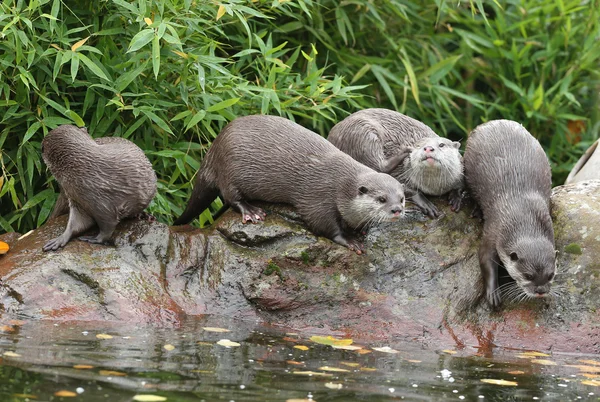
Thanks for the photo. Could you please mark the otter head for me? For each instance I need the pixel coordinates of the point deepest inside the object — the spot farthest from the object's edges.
(376, 197)
(531, 262)
(434, 166)
(62, 142)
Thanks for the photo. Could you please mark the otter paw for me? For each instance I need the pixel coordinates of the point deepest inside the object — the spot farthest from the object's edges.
(356, 246)
(54, 244)
(253, 214)
(93, 239)
(493, 298)
(477, 213)
(145, 216)
(455, 200)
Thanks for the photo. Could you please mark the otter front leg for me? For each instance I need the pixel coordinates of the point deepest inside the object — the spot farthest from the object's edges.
(352, 244)
(249, 212)
(79, 222)
(392, 163)
(489, 270)
(455, 198)
(422, 203)
(107, 227)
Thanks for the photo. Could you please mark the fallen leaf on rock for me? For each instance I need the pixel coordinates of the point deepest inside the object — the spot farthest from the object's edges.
(11, 354)
(533, 354)
(25, 235)
(350, 364)
(295, 363)
(543, 362)
(585, 369)
(215, 329)
(4, 247)
(332, 385)
(386, 349)
(516, 372)
(64, 393)
(594, 383)
(450, 352)
(83, 367)
(330, 340)
(291, 333)
(149, 398)
(334, 369)
(347, 347)
(499, 382)
(315, 373)
(591, 362)
(6, 328)
(104, 336)
(301, 347)
(17, 322)
(169, 347)
(227, 343)
(112, 373)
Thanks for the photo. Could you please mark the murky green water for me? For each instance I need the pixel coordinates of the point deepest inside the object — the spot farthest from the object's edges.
(43, 358)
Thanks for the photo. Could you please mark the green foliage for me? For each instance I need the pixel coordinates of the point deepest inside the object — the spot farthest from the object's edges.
(169, 75)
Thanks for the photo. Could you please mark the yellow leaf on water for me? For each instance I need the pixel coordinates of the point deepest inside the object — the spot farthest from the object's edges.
(386, 349)
(350, 364)
(169, 347)
(499, 382)
(332, 385)
(149, 398)
(585, 369)
(413, 361)
(215, 329)
(543, 362)
(204, 343)
(227, 343)
(588, 375)
(148, 21)
(368, 369)
(315, 373)
(533, 354)
(83, 367)
(364, 351)
(516, 372)
(591, 362)
(28, 396)
(104, 336)
(11, 354)
(334, 369)
(111, 373)
(220, 12)
(330, 340)
(301, 347)
(295, 363)
(79, 44)
(594, 383)
(450, 352)
(64, 393)
(347, 347)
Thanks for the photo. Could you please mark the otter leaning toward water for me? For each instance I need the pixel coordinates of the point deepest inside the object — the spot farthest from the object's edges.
(393, 143)
(273, 159)
(509, 176)
(103, 181)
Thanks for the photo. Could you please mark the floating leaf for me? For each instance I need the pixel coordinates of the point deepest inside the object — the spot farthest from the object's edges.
(215, 329)
(499, 382)
(104, 336)
(28, 396)
(227, 343)
(83, 367)
(592, 362)
(413, 361)
(169, 347)
(450, 352)
(350, 364)
(295, 363)
(301, 347)
(368, 369)
(347, 347)
(65, 394)
(587, 375)
(363, 351)
(585, 369)
(544, 362)
(112, 373)
(315, 373)
(533, 354)
(204, 343)
(11, 354)
(516, 372)
(386, 349)
(4, 247)
(594, 383)
(334, 369)
(330, 340)
(287, 338)
(332, 385)
(149, 398)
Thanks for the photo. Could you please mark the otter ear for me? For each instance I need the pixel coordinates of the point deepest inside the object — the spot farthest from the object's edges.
(514, 257)
(363, 190)
(456, 144)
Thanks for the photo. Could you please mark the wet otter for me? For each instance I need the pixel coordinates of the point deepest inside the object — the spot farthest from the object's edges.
(393, 143)
(273, 159)
(509, 176)
(103, 181)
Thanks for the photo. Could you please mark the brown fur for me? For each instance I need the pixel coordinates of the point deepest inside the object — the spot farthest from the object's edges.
(509, 176)
(102, 181)
(273, 159)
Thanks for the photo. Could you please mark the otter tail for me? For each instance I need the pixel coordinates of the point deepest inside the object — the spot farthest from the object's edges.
(203, 194)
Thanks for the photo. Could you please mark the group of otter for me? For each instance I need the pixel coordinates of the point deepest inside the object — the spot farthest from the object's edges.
(360, 176)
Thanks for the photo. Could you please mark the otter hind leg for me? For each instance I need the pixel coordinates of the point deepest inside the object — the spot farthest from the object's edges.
(455, 198)
(422, 203)
(250, 213)
(488, 258)
(79, 222)
(107, 227)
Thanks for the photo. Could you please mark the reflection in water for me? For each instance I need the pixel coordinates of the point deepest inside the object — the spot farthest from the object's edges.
(40, 359)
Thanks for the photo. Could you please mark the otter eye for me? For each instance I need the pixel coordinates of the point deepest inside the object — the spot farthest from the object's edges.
(529, 277)
(442, 145)
(382, 200)
(514, 257)
(363, 190)
(551, 276)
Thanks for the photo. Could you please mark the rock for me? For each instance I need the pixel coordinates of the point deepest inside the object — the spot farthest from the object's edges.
(587, 167)
(420, 279)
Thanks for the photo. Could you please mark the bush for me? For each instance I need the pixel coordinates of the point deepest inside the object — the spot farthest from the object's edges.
(170, 74)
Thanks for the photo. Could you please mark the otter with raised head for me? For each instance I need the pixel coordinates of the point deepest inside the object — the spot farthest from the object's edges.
(103, 181)
(390, 142)
(509, 176)
(273, 159)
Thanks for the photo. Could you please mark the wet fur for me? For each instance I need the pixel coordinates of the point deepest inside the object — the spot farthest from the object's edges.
(273, 159)
(101, 181)
(390, 142)
(509, 176)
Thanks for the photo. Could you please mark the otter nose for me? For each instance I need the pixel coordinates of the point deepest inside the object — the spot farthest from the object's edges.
(428, 149)
(396, 211)
(540, 292)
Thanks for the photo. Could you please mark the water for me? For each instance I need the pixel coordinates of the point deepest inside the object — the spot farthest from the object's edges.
(187, 364)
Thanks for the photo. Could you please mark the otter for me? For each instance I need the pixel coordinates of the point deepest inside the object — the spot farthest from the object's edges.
(101, 181)
(508, 174)
(390, 142)
(332, 192)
